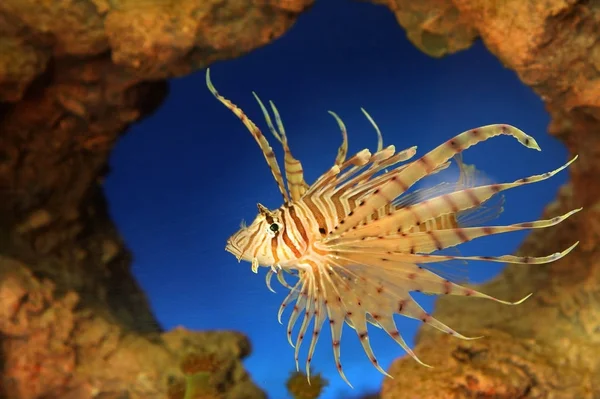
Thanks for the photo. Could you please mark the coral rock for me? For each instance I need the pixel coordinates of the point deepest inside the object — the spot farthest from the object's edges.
(74, 74)
(547, 346)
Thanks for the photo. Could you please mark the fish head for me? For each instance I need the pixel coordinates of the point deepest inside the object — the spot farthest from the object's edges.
(254, 243)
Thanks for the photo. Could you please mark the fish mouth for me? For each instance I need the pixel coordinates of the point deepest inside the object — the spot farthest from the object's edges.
(234, 250)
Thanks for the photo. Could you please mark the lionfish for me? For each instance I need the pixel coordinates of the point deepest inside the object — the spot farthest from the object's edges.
(360, 244)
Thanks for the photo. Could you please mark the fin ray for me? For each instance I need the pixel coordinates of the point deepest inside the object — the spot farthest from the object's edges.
(401, 181)
(256, 133)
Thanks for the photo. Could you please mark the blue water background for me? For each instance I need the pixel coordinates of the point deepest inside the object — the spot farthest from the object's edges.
(183, 179)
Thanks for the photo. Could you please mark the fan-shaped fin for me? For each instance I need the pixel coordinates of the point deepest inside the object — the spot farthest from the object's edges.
(404, 179)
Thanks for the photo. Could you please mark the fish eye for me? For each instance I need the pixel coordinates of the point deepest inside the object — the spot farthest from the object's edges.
(274, 227)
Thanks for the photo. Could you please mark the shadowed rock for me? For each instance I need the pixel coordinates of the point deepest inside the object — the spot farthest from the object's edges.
(74, 75)
(548, 346)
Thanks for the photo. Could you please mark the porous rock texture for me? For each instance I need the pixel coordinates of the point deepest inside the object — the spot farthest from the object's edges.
(548, 347)
(74, 74)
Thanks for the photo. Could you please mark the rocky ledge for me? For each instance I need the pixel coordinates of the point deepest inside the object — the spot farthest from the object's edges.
(75, 74)
(547, 346)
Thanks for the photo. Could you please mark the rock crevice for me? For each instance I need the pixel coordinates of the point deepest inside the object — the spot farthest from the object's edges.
(545, 347)
(75, 74)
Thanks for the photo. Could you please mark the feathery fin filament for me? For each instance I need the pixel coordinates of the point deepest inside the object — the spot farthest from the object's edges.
(360, 244)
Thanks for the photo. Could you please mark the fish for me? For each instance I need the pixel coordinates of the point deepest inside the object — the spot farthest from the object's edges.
(359, 242)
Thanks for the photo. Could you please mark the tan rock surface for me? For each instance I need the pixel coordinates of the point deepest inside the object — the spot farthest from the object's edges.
(74, 74)
(62, 350)
(547, 347)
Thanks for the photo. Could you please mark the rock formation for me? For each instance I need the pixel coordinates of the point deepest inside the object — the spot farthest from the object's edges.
(75, 74)
(548, 346)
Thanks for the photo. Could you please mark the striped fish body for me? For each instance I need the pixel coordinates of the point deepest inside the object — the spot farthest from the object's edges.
(359, 242)
(282, 237)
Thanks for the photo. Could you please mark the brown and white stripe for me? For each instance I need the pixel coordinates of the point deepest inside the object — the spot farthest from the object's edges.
(360, 244)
